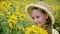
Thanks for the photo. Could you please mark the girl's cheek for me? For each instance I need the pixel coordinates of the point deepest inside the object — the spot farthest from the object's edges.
(40, 18)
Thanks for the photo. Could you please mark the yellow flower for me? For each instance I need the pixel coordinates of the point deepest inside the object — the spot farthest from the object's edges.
(4, 4)
(2, 9)
(13, 17)
(22, 17)
(16, 12)
(35, 30)
(10, 5)
(12, 21)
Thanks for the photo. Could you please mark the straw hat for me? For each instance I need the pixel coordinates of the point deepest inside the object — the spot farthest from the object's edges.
(40, 5)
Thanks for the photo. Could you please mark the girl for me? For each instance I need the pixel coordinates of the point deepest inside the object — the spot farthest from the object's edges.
(41, 14)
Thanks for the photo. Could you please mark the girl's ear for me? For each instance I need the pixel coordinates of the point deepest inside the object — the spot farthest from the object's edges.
(46, 16)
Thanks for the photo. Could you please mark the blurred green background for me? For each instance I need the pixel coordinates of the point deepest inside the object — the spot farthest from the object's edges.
(13, 17)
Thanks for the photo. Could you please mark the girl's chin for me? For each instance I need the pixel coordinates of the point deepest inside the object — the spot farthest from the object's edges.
(41, 24)
(38, 24)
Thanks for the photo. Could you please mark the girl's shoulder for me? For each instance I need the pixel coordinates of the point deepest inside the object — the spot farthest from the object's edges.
(54, 31)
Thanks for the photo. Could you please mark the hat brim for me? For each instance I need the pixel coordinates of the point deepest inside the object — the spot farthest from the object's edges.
(28, 11)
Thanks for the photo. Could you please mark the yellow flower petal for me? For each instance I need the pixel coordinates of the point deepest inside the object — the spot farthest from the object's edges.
(22, 17)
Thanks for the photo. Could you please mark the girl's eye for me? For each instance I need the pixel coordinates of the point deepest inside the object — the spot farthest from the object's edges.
(37, 16)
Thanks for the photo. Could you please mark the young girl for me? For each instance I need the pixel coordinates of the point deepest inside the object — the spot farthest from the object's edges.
(42, 16)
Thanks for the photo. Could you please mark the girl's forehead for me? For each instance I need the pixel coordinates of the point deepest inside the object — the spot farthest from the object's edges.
(36, 12)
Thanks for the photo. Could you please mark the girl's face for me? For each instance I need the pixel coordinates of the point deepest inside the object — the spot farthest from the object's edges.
(38, 17)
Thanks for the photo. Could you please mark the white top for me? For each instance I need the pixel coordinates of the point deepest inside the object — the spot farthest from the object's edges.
(54, 31)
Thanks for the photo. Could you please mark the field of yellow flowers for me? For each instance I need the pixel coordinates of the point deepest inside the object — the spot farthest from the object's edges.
(13, 19)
